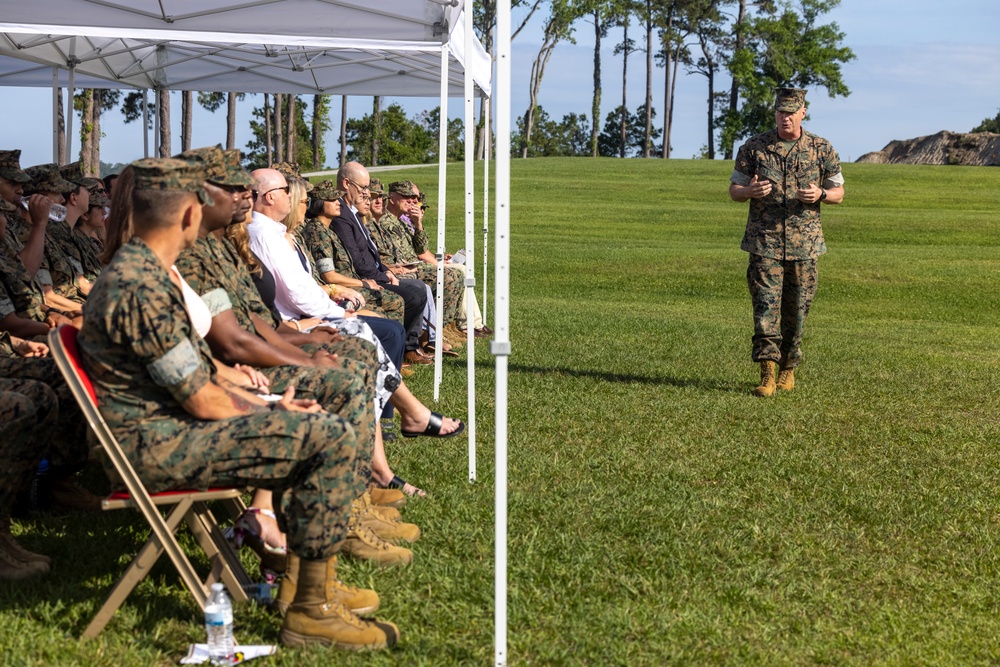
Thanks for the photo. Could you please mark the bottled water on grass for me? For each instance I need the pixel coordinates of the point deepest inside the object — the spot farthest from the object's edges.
(219, 626)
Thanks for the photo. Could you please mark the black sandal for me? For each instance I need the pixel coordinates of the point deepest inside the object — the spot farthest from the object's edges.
(433, 429)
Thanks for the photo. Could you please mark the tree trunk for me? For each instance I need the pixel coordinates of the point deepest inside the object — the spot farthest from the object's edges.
(343, 130)
(673, 84)
(187, 116)
(667, 99)
(231, 122)
(710, 75)
(595, 107)
(61, 129)
(279, 135)
(290, 129)
(163, 100)
(734, 89)
(319, 108)
(647, 142)
(377, 129)
(95, 135)
(268, 130)
(624, 119)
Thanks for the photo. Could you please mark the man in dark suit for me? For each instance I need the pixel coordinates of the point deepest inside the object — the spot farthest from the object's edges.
(353, 179)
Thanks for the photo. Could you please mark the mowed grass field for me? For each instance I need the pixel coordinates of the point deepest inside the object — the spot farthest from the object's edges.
(660, 514)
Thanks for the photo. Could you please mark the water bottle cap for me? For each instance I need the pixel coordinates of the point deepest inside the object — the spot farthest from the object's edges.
(218, 587)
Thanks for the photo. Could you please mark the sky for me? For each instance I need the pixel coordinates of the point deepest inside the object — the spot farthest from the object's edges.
(921, 66)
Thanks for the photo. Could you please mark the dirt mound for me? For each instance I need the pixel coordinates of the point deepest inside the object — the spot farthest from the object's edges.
(980, 149)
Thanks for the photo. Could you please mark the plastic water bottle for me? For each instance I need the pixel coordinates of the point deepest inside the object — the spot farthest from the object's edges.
(219, 626)
(57, 212)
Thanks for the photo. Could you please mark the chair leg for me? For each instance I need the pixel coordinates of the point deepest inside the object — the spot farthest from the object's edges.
(206, 531)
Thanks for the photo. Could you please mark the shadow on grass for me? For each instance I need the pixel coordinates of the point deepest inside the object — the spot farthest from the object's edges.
(628, 378)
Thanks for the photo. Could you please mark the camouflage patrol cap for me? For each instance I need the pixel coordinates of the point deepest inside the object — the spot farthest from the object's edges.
(234, 163)
(327, 191)
(10, 166)
(375, 187)
(404, 188)
(288, 169)
(94, 185)
(217, 170)
(171, 174)
(72, 172)
(46, 178)
(99, 200)
(789, 100)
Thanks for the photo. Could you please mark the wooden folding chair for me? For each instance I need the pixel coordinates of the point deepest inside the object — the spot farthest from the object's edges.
(189, 506)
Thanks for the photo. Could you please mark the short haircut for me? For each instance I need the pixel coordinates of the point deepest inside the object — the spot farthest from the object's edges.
(152, 209)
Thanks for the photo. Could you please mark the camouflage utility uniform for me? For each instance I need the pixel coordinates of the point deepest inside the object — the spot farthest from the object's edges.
(329, 255)
(146, 360)
(784, 237)
(398, 245)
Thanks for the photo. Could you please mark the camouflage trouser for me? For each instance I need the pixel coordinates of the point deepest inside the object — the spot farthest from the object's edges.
(333, 388)
(65, 443)
(306, 459)
(477, 314)
(454, 287)
(781, 291)
(383, 302)
(27, 408)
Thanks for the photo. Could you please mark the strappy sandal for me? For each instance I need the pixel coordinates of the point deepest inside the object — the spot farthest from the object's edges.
(273, 560)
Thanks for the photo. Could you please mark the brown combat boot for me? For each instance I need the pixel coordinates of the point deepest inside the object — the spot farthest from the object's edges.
(364, 544)
(361, 601)
(387, 497)
(384, 511)
(40, 562)
(66, 493)
(15, 568)
(786, 379)
(318, 616)
(767, 384)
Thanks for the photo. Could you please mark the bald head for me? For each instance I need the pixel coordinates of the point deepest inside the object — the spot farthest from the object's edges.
(353, 179)
(272, 194)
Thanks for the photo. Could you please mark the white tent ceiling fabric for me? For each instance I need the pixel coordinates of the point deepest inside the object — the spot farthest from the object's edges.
(328, 47)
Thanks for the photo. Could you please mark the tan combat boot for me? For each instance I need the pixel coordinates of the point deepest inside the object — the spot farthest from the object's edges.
(14, 568)
(40, 562)
(387, 497)
(384, 511)
(766, 386)
(390, 530)
(364, 544)
(786, 379)
(361, 601)
(318, 616)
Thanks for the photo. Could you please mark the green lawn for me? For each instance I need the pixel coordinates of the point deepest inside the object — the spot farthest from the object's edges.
(660, 514)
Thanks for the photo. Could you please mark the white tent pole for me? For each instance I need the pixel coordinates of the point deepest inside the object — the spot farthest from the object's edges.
(56, 136)
(145, 122)
(500, 346)
(69, 105)
(442, 188)
(487, 156)
(470, 243)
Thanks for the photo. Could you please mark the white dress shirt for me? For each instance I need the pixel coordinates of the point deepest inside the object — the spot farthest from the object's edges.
(296, 293)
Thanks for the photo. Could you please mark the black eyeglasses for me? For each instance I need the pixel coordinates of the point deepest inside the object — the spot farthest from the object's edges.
(363, 188)
(287, 190)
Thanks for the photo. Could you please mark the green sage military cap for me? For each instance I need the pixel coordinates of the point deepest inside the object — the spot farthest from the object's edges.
(327, 190)
(46, 178)
(789, 100)
(10, 166)
(404, 188)
(216, 165)
(171, 174)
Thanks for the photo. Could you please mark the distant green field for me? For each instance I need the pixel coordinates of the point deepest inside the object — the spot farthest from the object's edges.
(660, 514)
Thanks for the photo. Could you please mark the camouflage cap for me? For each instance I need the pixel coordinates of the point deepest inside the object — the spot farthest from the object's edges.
(404, 188)
(171, 174)
(789, 100)
(93, 185)
(375, 187)
(46, 178)
(234, 163)
(72, 172)
(288, 169)
(99, 200)
(217, 170)
(10, 166)
(327, 190)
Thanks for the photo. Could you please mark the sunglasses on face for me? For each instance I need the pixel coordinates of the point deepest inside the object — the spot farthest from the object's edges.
(286, 188)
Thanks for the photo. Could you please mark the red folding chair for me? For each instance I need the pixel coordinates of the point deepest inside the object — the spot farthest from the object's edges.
(189, 506)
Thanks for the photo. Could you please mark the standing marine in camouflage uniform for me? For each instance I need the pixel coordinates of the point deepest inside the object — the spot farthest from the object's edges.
(181, 427)
(785, 173)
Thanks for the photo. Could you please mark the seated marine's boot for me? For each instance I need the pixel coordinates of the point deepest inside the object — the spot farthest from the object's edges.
(767, 382)
(387, 497)
(363, 543)
(786, 379)
(317, 615)
(361, 601)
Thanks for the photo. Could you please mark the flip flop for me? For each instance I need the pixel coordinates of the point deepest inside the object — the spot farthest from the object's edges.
(434, 429)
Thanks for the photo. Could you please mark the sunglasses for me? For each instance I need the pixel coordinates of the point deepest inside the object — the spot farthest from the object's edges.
(287, 190)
